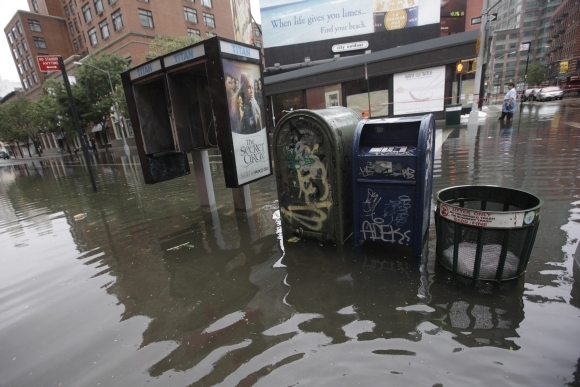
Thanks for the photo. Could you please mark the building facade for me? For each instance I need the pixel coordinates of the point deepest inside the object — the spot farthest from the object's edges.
(518, 21)
(92, 27)
(563, 57)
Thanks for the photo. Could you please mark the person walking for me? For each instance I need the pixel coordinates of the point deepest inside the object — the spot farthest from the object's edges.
(508, 107)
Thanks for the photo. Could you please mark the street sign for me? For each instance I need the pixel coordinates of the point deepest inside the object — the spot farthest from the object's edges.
(477, 20)
(525, 46)
(48, 63)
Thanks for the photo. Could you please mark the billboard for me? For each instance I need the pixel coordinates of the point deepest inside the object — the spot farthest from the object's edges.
(287, 22)
(419, 91)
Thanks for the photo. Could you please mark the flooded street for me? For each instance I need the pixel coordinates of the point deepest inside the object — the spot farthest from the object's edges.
(137, 285)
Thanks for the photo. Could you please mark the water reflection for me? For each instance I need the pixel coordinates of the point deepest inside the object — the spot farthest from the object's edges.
(151, 288)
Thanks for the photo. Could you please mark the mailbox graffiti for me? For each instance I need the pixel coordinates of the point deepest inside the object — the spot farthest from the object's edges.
(387, 169)
(385, 226)
(309, 178)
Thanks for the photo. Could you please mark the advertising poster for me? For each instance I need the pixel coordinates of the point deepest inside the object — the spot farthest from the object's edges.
(286, 22)
(242, 20)
(419, 91)
(247, 120)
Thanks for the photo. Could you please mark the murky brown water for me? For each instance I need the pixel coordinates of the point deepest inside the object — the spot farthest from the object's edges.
(151, 289)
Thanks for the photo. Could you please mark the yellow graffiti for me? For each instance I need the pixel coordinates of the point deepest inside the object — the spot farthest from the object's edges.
(312, 216)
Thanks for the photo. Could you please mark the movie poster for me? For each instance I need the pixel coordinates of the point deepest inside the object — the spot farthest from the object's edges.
(247, 120)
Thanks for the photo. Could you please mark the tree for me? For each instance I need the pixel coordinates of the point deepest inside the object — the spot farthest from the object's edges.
(536, 73)
(19, 122)
(94, 81)
(162, 45)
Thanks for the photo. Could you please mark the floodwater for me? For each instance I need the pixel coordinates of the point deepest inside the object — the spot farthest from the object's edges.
(138, 285)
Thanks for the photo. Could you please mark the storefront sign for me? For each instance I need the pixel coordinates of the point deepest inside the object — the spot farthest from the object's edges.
(350, 46)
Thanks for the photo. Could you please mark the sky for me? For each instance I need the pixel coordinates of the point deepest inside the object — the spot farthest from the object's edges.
(9, 7)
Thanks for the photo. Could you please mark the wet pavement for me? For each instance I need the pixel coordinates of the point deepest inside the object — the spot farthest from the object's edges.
(138, 285)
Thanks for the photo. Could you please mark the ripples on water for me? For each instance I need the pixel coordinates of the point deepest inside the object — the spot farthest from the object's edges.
(151, 289)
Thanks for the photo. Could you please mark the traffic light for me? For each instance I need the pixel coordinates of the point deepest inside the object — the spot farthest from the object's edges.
(466, 66)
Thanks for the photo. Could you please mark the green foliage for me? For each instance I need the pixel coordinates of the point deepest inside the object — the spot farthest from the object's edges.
(19, 122)
(162, 45)
(536, 73)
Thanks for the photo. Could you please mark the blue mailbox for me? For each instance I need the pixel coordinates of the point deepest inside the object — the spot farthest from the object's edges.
(392, 180)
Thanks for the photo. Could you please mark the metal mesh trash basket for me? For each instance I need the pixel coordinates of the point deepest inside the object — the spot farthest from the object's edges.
(486, 232)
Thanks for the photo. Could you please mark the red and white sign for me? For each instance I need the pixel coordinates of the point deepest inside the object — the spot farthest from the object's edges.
(485, 218)
(48, 63)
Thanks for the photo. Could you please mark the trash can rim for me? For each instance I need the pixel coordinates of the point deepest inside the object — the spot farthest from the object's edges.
(535, 208)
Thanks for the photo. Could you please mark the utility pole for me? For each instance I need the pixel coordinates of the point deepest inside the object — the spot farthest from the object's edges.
(474, 115)
(77, 121)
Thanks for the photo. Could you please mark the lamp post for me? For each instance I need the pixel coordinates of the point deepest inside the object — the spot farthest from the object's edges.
(115, 106)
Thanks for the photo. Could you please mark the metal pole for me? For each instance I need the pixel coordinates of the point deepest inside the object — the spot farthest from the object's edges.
(76, 121)
(474, 115)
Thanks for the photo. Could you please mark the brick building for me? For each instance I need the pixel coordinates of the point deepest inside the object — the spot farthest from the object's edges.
(563, 57)
(92, 27)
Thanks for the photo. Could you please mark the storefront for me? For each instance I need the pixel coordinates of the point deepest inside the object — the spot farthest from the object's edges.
(407, 80)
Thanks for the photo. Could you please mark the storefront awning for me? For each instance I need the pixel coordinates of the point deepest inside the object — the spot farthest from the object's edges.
(97, 128)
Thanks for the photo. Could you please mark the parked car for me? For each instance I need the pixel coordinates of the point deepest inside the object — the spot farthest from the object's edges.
(4, 155)
(549, 93)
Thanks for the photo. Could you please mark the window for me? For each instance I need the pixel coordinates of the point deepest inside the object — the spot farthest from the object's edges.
(29, 60)
(117, 20)
(14, 32)
(192, 32)
(209, 20)
(15, 53)
(99, 6)
(25, 65)
(35, 77)
(206, 3)
(81, 41)
(510, 73)
(25, 83)
(510, 64)
(258, 44)
(257, 32)
(500, 37)
(10, 38)
(76, 25)
(76, 44)
(111, 2)
(39, 42)
(104, 26)
(20, 70)
(498, 66)
(93, 37)
(514, 36)
(190, 14)
(190, 1)
(72, 7)
(146, 18)
(25, 45)
(29, 78)
(19, 46)
(34, 25)
(71, 28)
(500, 47)
(19, 27)
(87, 13)
(34, 5)
(66, 11)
